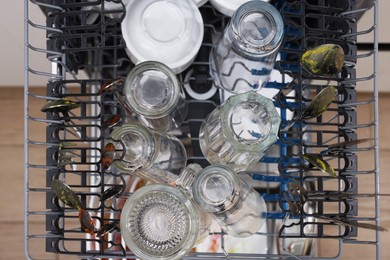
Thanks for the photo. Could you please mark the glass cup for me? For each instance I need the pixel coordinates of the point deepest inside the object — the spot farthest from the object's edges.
(235, 205)
(160, 222)
(147, 153)
(238, 132)
(243, 58)
(154, 93)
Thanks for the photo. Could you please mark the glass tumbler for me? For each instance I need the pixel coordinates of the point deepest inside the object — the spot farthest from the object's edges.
(238, 132)
(160, 222)
(236, 206)
(243, 58)
(154, 93)
(147, 153)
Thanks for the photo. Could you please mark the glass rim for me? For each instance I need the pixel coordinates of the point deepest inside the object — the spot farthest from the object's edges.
(213, 171)
(145, 111)
(117, 134)
(264, 8)
(193, 221)
(229, 134)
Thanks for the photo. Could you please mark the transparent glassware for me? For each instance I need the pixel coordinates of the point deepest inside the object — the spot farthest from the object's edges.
(238, 132)
(243, 58)
(236, 206)
(154, 93)
(148, 153)
(160, 222)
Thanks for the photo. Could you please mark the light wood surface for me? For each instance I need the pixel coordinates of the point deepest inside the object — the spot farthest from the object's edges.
(12, 182)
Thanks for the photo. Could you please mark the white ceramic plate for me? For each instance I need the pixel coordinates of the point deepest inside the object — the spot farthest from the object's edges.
(167, 31)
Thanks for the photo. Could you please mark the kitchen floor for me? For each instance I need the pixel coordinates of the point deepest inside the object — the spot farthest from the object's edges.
(12, 184)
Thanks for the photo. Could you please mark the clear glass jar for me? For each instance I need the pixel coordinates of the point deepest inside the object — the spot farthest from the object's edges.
(238, 132)
(154, 93)
(236, 206)
(243, 58)
(160, 222)
(147, 153)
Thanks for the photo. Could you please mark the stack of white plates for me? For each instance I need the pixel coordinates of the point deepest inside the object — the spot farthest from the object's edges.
(168, 31)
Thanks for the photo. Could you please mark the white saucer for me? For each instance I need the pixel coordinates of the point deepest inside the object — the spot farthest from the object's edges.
(167, 31)
(228, 7)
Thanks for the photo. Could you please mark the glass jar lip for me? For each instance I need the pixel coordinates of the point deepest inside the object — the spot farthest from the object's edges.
(271, 13)
(143, 110)
(212, 171)
(140, 130)
(230, 135)
(193, 221)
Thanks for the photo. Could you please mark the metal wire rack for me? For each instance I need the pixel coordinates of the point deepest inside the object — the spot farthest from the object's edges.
(75, 45)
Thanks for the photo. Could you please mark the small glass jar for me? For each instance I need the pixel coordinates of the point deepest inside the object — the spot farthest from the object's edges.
(147, 153)
(160, 222)
(243, 58)
(154, 93)
(238, 132)
(236, 206)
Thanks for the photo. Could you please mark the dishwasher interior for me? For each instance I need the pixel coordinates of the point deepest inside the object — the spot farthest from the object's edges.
(86, 52)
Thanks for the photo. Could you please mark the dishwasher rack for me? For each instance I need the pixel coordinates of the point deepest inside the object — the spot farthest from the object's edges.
(77, 46)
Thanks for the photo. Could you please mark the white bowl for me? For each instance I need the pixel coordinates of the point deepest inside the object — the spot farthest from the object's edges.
(167, 31)
(228, 7)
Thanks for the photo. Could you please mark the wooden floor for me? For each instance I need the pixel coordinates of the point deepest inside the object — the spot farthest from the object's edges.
(12, 183)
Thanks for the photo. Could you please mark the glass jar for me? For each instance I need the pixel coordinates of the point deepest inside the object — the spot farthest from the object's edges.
(147, 153)
(236, 206)
(160, 222)
(238, 132)
(243, 58)
(154, 93)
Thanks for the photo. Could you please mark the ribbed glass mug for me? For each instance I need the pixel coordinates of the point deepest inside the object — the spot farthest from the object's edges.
(147, 153)
(160, 222)
(153, 91)
(243, 58)
(238, 132)
(236, 206)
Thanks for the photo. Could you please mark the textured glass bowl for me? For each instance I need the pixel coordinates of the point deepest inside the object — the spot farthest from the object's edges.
(159, 222)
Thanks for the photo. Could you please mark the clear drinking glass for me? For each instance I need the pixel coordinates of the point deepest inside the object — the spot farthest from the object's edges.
(147, 153)
(243, 58)
(160, 222)
(236, 206)
(154, 93)
(238, 132)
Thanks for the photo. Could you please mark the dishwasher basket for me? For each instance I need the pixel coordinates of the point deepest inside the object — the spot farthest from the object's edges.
(83, 55)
